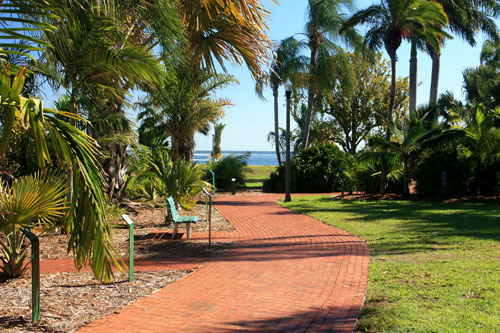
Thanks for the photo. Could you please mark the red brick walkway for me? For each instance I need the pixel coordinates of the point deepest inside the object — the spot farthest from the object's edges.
(287, 272)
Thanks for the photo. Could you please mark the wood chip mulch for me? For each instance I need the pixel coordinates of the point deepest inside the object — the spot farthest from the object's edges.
(70, 301)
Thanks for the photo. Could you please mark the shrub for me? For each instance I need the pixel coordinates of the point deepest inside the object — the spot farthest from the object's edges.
(319, 168)
(227, 168)
(32, 201)
(182, 180)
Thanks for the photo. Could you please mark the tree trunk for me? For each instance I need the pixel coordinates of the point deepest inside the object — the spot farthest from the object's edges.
(405, 176)
(186, 148)
(436, 65)
(383, 171)
(276, 125)
(310, 101)
(413, 77)
(116, 169)
(115, 166)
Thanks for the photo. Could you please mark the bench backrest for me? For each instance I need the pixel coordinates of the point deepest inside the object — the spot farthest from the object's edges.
(171, 204)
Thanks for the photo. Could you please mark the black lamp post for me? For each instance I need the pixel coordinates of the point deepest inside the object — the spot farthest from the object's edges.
(288, 91)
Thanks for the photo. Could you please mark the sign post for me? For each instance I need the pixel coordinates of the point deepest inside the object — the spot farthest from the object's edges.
(131, 247)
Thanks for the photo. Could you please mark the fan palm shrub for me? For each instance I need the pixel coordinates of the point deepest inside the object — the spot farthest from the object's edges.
(37, 200)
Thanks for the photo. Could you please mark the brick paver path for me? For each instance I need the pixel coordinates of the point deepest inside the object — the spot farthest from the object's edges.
(287, 272)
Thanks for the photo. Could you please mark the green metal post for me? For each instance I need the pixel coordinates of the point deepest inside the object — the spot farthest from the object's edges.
(35, 274)
(209, 196)
(209, 220)
(131, 247)
(213, 180)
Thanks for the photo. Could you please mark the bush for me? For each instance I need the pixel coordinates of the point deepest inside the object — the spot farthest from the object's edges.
(461, 177)
(319, 168)
(227, 168)
(458, 173)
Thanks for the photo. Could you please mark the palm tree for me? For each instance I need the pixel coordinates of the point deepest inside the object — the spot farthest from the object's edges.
(231, 30)
(410, 140)
(325, 19)
(69, 148)
(183, 106)
(33, 14)
(35, 200)
(99, 51)
(482, 138)
(490, 53)
(390, 23)
(287, 62)
(216, 151)
(466, 18)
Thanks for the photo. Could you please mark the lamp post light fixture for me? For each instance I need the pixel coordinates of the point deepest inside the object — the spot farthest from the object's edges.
(288, 92)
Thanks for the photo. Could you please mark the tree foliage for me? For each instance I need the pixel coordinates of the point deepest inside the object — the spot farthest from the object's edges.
(353, 110)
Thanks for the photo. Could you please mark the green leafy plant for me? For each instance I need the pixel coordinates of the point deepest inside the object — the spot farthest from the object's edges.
(71, 149)
(319, 168)
(182, 180)
(228, 168)
(33, 201)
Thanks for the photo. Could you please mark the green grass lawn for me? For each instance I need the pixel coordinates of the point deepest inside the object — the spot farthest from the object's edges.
(256, 174)
(434, 267)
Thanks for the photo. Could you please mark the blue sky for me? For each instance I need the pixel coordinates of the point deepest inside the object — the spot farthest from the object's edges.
(250, 119)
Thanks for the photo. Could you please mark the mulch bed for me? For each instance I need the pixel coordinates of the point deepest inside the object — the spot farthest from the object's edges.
(70, 301)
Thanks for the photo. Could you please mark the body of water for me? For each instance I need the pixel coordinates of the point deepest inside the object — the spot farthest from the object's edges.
(256, 157)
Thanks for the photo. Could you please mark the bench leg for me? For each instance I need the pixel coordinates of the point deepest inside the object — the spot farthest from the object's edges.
(176, 226)
(188, 230)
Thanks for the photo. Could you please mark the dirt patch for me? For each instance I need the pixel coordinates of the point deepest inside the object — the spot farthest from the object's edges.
(146, 219)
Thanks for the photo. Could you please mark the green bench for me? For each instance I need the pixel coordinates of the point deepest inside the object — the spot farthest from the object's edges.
(180, 219)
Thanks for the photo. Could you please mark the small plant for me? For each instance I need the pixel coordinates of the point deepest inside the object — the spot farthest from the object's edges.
(182, 180)
(33, 201)
(228, 168)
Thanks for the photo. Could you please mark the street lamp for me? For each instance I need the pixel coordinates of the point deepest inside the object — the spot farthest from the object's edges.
(288, 92)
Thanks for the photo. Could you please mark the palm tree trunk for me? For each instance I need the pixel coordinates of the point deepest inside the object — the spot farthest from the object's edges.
(186, 148)
(436, 65)
(175, 149)
(383, 171)
(310, 101)
(116, 168)
(276, 125)
(413, 77)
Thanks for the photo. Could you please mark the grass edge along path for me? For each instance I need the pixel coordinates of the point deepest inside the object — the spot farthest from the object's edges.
(434, 266)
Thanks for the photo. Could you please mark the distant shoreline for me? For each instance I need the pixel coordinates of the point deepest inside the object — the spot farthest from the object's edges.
(257, 157)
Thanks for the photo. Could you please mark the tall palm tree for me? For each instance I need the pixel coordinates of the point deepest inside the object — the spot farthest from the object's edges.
(466, 18)
(391, 22)
(286, 63)
(324, 21)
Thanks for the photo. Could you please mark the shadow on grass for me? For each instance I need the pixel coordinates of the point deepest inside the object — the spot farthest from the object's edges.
(412, 226)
